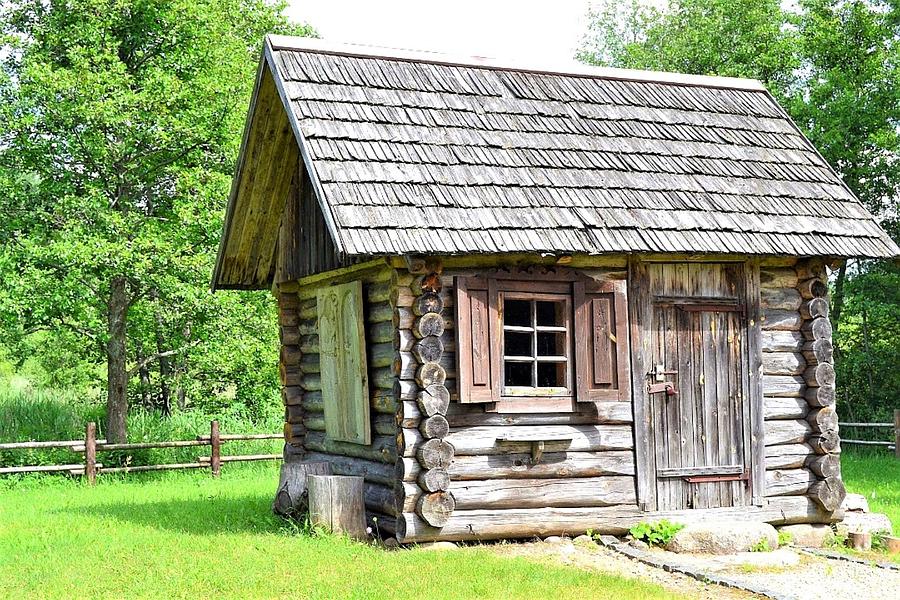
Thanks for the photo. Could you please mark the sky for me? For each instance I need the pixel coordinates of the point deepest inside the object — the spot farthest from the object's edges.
(527, 30)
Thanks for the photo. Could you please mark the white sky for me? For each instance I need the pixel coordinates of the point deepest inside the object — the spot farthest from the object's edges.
(540, 31)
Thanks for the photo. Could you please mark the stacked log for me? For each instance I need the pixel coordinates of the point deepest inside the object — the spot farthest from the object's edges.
(422, 470)
(291, 374)
(802, 439)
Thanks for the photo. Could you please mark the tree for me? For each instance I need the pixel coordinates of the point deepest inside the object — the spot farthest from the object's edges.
(121, 122)
(733, 38)
(848, 102)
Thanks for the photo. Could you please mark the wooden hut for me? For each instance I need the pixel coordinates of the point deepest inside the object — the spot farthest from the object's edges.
(522, 302)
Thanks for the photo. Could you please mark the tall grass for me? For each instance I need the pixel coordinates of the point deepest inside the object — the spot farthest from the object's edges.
(30, 414)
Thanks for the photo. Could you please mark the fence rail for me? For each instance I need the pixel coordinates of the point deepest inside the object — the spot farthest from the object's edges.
(90, 445)
(895, 445)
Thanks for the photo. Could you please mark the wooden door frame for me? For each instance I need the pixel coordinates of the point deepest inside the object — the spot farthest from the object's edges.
(640, 310)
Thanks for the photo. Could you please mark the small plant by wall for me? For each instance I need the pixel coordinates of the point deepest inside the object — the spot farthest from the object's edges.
(658, 533)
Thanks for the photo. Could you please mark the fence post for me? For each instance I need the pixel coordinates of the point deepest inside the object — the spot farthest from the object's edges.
(215, 454)
(897, 433)
(90, 453)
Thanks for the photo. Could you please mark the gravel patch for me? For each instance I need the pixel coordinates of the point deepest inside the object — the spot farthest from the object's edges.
(784, 574)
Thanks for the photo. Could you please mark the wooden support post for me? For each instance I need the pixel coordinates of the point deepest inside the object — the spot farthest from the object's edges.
(337, 502)
(90, 453)
(215, 453)
(897, 433)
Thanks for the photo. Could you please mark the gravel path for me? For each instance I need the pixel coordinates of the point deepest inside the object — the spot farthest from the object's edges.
(786, 573)
(804, 577)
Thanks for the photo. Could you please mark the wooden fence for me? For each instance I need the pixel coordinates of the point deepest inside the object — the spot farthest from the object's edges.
(90, 446)
(895, 445)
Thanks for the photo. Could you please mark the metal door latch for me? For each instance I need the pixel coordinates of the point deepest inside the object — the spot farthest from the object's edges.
(667, 386)
(659, 373)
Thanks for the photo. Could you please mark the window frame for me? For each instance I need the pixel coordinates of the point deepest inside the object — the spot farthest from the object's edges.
(535, 399)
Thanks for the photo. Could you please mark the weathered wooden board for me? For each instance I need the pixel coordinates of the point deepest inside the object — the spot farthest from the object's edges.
(551, 465)
(536, 493)
(342, 363)
(486, 440)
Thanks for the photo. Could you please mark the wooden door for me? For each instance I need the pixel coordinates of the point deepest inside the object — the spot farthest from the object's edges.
(699, 428)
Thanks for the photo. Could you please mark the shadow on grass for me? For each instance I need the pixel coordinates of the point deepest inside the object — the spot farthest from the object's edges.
(211, 515)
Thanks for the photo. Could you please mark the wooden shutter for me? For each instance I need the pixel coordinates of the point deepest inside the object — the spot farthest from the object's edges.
(477, 339)
(601, 341)
(342, 363)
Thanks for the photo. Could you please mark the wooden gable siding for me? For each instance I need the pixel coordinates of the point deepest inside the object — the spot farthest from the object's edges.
(269, 158)
(305, 245)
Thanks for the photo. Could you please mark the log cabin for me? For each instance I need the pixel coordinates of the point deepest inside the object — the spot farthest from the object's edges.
(521, 301)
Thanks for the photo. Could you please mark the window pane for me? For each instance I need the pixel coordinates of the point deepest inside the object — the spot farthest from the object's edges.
(517, 312)
(517, 374)
(551, 374)
(551, 313)
(517, 344)
(551, 344)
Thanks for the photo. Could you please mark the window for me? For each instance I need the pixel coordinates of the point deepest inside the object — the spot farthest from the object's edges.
(539, 346)
(535, 341)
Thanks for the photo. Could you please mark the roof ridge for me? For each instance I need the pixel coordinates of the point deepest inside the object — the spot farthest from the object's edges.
(318, 46)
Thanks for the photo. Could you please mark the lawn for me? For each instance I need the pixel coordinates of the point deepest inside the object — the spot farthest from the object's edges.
(187, 535)
(876, 475)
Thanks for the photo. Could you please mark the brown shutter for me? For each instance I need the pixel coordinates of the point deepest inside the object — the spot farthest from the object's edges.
(601, 341)
(477, 337)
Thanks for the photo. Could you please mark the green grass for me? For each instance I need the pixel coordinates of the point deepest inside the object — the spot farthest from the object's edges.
(187, 535)
(876, 475)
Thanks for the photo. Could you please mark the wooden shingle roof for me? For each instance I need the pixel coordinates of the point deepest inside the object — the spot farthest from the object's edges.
(413, 153)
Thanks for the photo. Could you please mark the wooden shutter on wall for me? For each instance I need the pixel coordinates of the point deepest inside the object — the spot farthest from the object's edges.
(601, 341)
(477, 339)
(342, 363)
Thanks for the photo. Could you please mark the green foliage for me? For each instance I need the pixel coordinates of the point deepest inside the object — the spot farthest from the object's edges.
(121, 122)
(736, 38)
(879, 544)
(868, 345)
(658, 533)
(785, 538)
(761, 546)
(185, 534)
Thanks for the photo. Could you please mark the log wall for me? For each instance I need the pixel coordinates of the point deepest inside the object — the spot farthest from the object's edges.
(435, 469)
(801, 435)
(499, 480)
(383, 292)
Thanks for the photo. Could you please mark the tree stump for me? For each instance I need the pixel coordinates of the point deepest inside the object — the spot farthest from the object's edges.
(336, 502)
(291, 498)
